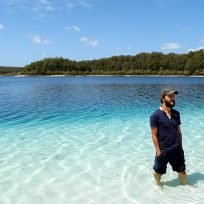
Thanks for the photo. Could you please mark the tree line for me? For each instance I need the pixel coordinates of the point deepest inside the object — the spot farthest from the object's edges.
(5, 70)
(191, 63)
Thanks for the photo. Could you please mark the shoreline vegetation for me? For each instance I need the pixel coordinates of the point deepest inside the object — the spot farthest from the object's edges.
(7, 71)
(142, 64)
(59, 76)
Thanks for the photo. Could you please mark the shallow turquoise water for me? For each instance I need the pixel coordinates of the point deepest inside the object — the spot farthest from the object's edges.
(87, 140)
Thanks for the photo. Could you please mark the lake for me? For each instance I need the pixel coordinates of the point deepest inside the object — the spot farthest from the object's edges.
(74, 140)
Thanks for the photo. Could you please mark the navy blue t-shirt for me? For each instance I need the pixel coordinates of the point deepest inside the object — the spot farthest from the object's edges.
(168, 135)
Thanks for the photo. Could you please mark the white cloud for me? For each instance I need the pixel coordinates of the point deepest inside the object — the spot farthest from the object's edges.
(78, 3)
(46, 5)
(35, 8)
(1, 27)
(196, 49)
(88, 41)
(41, 6)
(84, 3)
(9, 2)
(49, 8)
(38, 40)
(73, 28)
(70, 5)
(170, 46)
(45, 2)
(76, 28)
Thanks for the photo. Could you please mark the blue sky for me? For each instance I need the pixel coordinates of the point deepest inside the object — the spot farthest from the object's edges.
(90, 29)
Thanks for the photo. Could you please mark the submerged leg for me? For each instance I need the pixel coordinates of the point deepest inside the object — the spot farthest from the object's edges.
(157, 178)
(182, 177)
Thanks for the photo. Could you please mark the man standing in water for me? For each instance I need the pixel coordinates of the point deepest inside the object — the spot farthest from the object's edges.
(167, 138)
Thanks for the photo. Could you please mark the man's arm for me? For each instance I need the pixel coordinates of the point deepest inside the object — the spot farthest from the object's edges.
(155, 140)
(180, 135)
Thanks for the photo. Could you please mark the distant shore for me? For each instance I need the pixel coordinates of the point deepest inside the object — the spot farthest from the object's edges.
(102, 75)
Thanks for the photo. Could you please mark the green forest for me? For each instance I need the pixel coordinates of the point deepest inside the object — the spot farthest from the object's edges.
(9, 70)
(154, 63)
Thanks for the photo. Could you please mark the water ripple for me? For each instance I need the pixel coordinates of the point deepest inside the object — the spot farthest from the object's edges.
(87, 140)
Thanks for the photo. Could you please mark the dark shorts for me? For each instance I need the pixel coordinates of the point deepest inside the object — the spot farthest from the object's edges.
(176, 160)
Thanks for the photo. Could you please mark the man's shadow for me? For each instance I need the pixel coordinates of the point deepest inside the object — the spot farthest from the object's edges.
(192, 180)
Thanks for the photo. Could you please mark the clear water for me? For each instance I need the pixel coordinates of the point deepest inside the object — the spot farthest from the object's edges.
(73, 140)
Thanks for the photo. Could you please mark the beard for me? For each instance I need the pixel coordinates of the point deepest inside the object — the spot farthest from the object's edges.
(169, 104)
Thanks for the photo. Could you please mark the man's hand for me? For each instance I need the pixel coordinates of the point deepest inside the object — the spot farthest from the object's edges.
(158, 153)
(155, 140)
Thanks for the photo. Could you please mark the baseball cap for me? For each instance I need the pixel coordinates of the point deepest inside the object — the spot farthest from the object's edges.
(167, 91)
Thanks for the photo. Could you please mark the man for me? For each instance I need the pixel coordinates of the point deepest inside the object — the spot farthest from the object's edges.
(167, 138)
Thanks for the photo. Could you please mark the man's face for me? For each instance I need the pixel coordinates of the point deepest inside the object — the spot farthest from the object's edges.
(169, 100)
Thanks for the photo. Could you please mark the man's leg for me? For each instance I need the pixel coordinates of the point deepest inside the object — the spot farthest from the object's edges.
(157, 178)
(160, 165)
(182, 177)
(178, 164)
